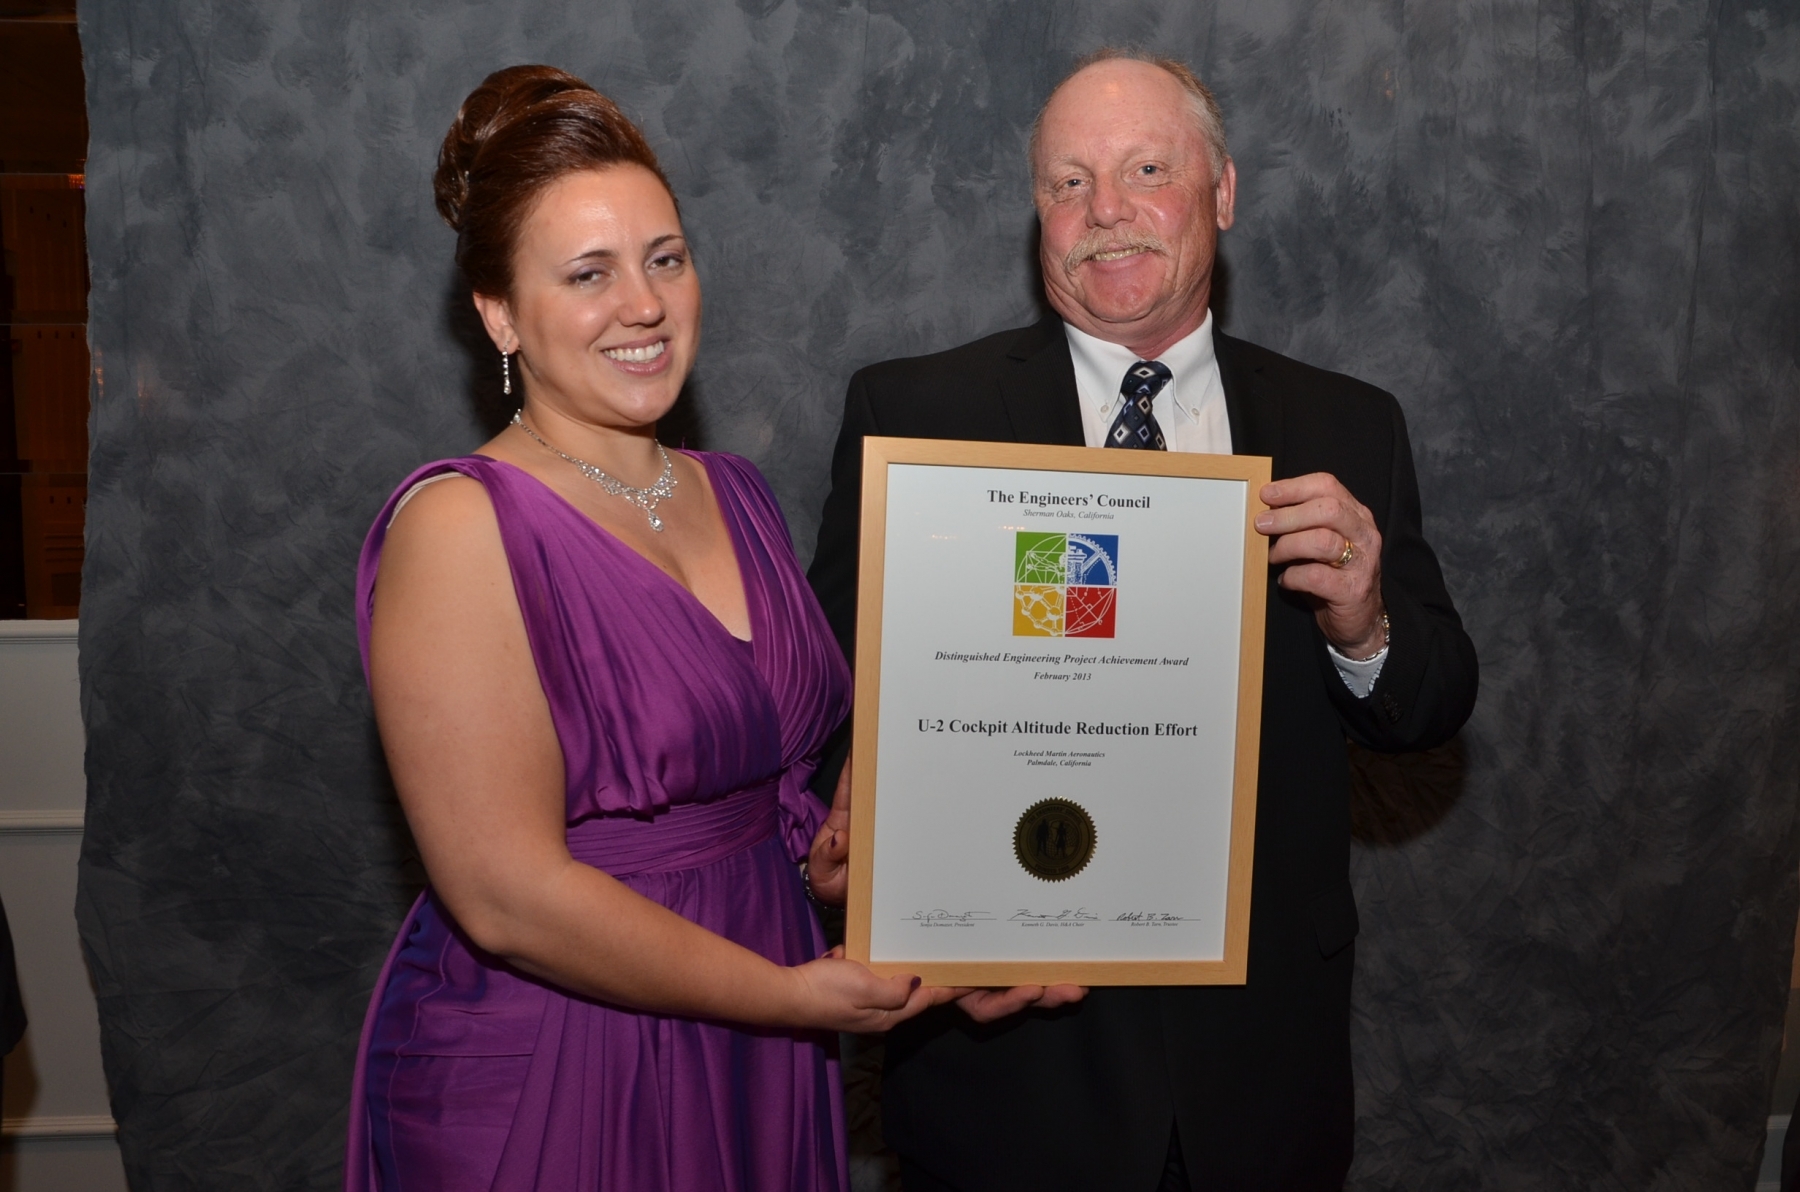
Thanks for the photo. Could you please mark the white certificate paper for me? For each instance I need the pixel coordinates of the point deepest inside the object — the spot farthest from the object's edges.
(1050, 637)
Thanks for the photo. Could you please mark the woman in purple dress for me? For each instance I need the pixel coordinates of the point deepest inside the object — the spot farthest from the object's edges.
(601, 683)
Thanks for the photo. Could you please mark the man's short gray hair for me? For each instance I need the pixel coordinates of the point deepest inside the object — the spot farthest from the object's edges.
(1207, 117)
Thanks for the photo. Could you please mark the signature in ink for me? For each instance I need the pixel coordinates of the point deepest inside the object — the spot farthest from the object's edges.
(943, 916)
(1079, 914)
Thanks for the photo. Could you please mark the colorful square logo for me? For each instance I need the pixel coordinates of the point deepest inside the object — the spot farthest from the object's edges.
(1065, 585)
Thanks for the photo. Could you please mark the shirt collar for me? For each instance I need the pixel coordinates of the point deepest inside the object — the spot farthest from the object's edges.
(1187, 360)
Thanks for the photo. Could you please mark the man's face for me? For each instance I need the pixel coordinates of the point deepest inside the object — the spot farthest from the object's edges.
(1129, 210)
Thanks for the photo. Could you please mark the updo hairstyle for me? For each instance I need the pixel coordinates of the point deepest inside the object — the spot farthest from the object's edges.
(522, 129)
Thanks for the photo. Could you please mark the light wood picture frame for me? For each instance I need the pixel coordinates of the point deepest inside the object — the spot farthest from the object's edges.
(1229, 966)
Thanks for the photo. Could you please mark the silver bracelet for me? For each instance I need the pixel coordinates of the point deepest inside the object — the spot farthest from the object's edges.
(1386, 636)
(806, 884)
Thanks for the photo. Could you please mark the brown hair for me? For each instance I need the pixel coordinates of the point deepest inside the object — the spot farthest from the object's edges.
(522, 129)
(1207, 117)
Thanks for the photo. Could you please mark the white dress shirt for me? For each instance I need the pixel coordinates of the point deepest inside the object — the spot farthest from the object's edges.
(1191, 412)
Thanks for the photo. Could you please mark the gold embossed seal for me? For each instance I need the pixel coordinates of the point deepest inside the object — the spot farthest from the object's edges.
(1054, 839)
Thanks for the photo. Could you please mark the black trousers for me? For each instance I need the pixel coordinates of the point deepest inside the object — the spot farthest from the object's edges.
(914, 1178)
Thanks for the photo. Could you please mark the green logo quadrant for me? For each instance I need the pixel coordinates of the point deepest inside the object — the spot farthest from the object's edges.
(1040, 558)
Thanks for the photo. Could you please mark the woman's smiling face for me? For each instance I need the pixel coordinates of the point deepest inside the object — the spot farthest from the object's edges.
(605, 308)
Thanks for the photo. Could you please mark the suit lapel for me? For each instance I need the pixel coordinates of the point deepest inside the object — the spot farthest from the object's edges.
(1254, 412)
(1037, 387)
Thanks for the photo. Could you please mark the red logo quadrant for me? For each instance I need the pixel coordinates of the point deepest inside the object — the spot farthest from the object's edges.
(1089, 612)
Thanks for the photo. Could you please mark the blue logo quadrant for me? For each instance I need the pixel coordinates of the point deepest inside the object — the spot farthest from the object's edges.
(1093, 560)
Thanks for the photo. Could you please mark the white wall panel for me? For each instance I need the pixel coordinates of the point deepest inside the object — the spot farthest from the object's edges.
(40, 718)
(55, 1125)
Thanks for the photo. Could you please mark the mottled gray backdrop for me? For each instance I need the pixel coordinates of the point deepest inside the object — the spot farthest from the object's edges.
(1565, 233)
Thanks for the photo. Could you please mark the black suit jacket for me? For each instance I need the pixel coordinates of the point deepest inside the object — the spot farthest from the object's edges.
(1257, 1077)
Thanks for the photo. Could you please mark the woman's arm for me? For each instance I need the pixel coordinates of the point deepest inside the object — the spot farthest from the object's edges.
(479, 771)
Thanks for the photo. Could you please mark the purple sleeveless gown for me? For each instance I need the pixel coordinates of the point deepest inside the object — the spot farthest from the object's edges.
(687, 752)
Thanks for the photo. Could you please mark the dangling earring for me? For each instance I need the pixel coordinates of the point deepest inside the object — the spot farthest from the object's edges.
(506, 374)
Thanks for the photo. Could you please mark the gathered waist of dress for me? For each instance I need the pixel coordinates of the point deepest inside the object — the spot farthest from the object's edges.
(686, 836)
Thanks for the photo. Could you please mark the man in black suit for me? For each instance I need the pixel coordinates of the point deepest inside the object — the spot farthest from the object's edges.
(1229, 1087)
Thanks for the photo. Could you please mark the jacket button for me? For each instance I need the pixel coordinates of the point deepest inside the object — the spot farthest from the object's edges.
(1391, 706)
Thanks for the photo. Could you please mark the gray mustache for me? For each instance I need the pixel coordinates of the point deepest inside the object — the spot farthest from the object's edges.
(1099, 240)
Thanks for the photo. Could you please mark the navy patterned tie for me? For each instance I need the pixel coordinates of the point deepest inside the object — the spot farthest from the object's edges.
(1135, 427)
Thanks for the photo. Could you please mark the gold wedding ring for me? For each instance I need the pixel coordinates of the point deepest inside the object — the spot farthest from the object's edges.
(1343, 560)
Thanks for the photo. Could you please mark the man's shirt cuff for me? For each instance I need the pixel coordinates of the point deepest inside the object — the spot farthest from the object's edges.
(1359, 677)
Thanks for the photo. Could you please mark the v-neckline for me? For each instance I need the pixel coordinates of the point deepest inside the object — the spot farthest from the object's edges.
(731, 533)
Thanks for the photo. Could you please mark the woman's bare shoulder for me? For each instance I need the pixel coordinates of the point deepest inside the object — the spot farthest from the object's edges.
(443, 504)
(444, 527)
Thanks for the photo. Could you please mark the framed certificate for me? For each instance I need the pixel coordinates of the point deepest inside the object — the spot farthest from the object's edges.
(1058, 709)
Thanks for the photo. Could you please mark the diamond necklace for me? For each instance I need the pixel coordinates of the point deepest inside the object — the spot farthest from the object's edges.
(644, 498)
